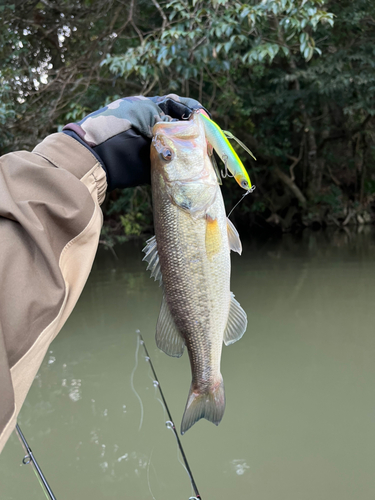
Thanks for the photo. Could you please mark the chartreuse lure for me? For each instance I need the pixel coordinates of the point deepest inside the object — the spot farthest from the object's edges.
(219, 141)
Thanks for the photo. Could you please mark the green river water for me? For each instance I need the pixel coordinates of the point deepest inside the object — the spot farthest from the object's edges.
(300, 385)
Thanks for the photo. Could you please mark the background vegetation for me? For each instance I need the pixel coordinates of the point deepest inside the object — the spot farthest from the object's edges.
(293, 79)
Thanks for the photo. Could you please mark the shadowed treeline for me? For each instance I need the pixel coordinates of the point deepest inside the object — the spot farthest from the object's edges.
(292, 79)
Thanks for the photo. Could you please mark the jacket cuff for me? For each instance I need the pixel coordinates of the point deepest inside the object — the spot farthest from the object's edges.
(69, 154)
(76, 137)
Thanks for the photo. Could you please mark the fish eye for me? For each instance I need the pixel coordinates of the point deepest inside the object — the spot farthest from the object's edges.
(167, 154)
(244, 184)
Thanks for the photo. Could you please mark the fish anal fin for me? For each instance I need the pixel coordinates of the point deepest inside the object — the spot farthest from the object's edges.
(237, 322)
(213, 237)
(234, 238)
(152, 257)
(209, 404)
(168, 338)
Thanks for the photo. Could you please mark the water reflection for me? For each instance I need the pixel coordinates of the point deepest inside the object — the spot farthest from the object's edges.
(240, 466)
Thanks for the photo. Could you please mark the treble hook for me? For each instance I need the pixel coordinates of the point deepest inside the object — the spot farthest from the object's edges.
(226, 173)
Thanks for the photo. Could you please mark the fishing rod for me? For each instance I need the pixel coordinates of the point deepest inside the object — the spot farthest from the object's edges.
(170, 423)
(29, 457)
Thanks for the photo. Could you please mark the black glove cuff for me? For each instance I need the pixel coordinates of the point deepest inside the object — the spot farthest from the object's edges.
(124, 157)
(177, 107)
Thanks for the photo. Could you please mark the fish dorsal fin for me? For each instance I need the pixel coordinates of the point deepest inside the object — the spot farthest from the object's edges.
(237, 322)
(152, 257)
(168, 338)
(233, 238)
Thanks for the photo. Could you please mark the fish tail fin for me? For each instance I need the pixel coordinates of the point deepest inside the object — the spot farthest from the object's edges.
(209, 404)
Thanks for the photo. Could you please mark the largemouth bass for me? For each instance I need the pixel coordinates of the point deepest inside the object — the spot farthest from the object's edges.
(190, 255)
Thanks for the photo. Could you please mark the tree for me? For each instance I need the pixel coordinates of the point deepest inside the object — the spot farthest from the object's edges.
(293, 79)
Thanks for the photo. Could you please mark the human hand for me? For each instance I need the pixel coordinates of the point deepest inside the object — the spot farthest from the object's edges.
(120, 134)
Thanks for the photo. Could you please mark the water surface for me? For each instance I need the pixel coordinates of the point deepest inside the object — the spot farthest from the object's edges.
(300, 415)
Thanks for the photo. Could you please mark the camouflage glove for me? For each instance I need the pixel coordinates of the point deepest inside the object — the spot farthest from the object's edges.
(120, 134)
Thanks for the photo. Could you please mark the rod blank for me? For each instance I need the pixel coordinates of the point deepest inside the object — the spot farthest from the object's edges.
(170, 423)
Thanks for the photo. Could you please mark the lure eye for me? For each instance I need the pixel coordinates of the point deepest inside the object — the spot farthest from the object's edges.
(167, 154)
(244, 184)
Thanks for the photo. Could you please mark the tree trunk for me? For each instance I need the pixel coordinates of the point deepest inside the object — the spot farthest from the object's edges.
(291, 185)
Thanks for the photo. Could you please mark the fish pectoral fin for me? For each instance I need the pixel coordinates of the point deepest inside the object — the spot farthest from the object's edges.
(234, 238)
(168, 338)
(237, 322)
(152, 257)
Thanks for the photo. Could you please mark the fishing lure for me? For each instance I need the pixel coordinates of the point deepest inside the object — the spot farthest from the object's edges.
(219, 141)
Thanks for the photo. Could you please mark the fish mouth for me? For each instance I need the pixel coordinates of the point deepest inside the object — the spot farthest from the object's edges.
(186, 129)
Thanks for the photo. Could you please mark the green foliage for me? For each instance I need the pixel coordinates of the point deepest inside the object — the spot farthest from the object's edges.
(221, 36)
(332, 198)
(132, 223)
(293, 79)
(132, 207)
(258, 206)
(50, 54)
(370, 186)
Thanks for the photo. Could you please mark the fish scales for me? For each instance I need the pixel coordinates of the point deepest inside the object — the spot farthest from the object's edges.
(196, 289)
(194, 256)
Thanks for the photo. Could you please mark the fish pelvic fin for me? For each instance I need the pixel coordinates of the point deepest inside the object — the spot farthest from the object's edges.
(209, 405)
(168, 338)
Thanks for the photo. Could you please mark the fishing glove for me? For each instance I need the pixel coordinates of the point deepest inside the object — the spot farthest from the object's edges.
(119, 135)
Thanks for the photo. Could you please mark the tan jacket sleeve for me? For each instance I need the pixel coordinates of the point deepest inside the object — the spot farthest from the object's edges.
(50, 221)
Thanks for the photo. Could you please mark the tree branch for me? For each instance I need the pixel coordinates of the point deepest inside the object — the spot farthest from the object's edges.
(291, 185)
(161, 12)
